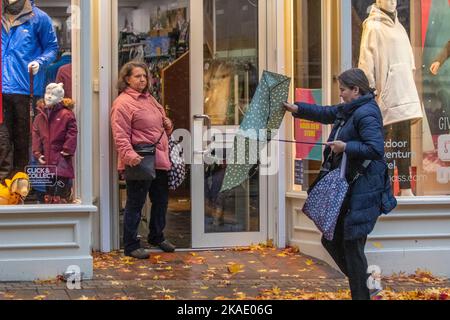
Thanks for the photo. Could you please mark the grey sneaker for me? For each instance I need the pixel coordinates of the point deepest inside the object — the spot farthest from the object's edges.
(140, 253)
(166, 246)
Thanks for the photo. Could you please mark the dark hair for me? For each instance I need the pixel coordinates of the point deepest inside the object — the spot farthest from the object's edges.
(356, 78)
(127, 71)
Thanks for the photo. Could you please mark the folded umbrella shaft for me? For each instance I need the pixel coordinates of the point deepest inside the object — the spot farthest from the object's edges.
(300, 142)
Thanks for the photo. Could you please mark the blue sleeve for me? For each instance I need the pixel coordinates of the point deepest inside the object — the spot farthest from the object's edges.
(48, 41)
(371, 146)
(316, 113)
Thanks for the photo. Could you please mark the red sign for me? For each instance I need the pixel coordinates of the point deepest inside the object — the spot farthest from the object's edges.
(308, 131)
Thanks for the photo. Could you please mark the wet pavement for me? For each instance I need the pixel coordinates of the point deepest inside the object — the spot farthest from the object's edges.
(255, 273)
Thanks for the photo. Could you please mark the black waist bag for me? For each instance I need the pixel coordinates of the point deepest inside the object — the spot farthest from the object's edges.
(146, 169)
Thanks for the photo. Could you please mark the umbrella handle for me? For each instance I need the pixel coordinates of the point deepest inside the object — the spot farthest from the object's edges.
(30, 72)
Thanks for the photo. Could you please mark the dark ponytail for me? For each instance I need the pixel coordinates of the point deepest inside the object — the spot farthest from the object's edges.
(356, 78)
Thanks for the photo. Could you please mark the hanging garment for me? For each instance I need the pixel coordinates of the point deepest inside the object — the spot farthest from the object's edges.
(388, 61)
(266, 111)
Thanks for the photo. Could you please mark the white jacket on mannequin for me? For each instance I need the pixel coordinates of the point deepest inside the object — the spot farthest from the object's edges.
(387, 59)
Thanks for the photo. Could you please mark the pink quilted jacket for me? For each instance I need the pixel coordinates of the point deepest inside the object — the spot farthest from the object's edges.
(137, 118)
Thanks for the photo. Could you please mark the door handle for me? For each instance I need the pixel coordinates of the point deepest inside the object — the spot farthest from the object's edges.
(207, 120)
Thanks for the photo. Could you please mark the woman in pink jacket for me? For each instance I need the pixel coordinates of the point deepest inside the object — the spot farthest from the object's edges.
(138, 119)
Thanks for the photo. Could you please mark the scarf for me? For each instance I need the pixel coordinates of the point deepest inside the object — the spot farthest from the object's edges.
(346, 109)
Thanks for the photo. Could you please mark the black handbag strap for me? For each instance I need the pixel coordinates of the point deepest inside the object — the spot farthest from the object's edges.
(360, 173)
(341, 123)
(159, 140)
(145, 147)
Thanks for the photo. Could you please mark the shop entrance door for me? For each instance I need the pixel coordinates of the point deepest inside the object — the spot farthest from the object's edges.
(206, 58)
(227, 58)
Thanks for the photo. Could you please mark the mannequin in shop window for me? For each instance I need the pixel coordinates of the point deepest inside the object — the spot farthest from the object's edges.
(387, 59)
(28, 43)
(440, 60)
(55, 141)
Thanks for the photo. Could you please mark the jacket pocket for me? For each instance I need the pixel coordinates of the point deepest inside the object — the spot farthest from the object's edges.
(63, 165)
(400, 88)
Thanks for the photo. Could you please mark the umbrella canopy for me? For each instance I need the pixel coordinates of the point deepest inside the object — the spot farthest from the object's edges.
(265, 113)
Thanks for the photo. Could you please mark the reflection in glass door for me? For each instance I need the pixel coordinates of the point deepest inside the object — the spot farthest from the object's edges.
(231, 65)
(230, 80)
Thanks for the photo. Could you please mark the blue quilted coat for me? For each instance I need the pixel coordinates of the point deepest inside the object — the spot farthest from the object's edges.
(371, 195)
(33, 40)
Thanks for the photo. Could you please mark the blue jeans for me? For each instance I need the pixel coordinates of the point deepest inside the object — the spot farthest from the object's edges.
(137, 191)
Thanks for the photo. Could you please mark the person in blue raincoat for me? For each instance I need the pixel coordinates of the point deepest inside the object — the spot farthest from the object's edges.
(361, 138)
(28, 42)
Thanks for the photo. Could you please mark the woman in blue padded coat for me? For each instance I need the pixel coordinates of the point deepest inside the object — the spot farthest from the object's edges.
(362, 138)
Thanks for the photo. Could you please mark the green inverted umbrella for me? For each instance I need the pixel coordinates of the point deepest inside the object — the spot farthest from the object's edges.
(266, 113)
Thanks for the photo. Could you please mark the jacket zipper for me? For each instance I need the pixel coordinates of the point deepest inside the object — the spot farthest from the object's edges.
(48, 114)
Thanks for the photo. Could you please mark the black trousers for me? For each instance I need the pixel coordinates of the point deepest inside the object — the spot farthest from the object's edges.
(6, 153)
(137, 192)
(16, 110)
(351, 259)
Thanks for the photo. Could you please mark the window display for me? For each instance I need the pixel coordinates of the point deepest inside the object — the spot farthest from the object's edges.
(436, 94)
(308, 88)
(386, 56)
(20, 54)
(32, 55)
(412, 100)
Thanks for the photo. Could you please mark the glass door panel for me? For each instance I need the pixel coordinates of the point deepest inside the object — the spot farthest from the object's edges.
(231, 65)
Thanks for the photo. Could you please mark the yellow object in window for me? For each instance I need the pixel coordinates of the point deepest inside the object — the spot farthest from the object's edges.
(16, 190)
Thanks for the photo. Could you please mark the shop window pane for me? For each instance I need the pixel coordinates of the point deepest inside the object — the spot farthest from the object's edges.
(39, 137)
(398, 60)
(308, 88)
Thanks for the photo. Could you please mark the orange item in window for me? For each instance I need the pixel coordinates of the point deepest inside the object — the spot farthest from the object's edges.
(396, 183)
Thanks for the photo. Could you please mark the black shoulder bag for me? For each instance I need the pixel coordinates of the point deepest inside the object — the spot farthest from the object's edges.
(145, 171)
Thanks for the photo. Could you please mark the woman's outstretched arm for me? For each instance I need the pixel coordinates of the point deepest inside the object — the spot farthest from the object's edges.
(313, 112)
